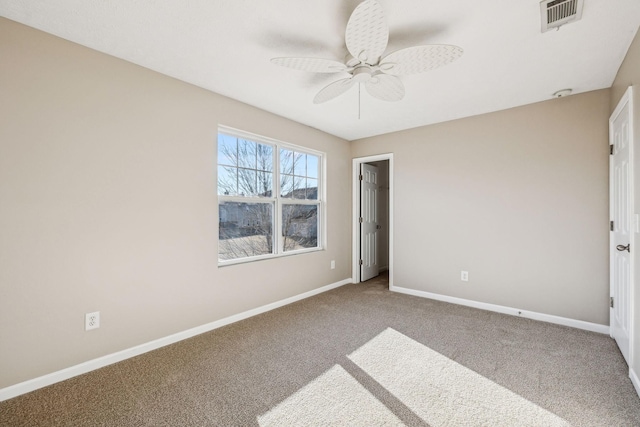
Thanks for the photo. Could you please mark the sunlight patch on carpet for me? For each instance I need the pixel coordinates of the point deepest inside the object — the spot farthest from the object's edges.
(441, 391)
(335, 398)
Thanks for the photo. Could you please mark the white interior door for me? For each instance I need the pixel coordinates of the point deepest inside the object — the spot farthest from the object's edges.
(368, 222)
(621, 209)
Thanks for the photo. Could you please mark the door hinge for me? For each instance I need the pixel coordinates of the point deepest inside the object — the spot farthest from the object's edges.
(611, 226)
(361, 220)
(361, 262)
(360, 177)
(611, 149)
(611, 302)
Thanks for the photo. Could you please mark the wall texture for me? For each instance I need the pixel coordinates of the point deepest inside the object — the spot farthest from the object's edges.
(108, 202)
(519, 198)
(629, 75)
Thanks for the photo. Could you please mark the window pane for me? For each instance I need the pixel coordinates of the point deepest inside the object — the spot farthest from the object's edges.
(247, 151)
(286, 162)
(265, 184)
(245, 230)
(312, 166)
(300, 164)
(265, 157)
(299, 226)
(227, 181)
(227, 150)
(286, 186)
(312, 189)
(299, 187)
(247, 182)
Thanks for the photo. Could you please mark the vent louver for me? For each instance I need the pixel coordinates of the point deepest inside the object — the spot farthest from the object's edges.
(555, 13)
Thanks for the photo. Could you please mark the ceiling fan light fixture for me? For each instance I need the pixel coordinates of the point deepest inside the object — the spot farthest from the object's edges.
(362, 74)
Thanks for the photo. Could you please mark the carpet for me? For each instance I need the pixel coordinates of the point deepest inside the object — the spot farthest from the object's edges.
(438, 390)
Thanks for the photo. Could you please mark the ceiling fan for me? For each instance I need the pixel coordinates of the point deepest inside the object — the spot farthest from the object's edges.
(366, 37)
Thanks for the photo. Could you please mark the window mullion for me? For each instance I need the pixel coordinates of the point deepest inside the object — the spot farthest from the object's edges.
(277, 240)
(279, 219)
(237, 166)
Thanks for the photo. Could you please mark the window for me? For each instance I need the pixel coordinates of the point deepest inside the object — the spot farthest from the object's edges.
(269, 198)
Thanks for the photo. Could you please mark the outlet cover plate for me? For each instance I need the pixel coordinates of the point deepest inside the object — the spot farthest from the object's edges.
(92, 321)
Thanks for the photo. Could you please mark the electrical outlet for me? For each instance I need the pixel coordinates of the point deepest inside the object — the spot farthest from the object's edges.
(464, 276)
(333, 264)
(92, 321)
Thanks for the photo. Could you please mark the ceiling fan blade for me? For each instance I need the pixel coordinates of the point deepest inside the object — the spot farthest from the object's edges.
(418, 59)
(385, 87)
(333, 90)
(367, 32)
(314, 65)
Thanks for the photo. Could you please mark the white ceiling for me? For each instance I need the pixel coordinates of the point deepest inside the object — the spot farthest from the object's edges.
(226, 47)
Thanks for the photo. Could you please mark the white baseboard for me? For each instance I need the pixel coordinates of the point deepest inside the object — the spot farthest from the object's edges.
(82, 368)
(634, 380)
(594, 327)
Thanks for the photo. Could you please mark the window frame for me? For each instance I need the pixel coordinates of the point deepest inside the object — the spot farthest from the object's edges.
(276, 200)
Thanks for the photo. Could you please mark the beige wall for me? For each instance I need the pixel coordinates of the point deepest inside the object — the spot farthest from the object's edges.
(107, 193)
(629, 75)
(518, 198)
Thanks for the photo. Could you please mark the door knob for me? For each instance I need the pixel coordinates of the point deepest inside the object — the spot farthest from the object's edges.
(623, 248)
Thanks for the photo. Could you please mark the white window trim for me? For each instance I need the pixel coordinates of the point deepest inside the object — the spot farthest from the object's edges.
(277, 201)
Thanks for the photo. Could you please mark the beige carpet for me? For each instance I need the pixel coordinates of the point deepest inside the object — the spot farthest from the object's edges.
(437, 389)
(334, 398)
(441, 391)
(357, 355)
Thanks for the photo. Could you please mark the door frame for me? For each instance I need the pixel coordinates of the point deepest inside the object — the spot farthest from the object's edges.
(627, 99)
(355, 213)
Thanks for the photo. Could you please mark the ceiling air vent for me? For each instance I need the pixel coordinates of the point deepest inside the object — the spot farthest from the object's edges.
(556, 13)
